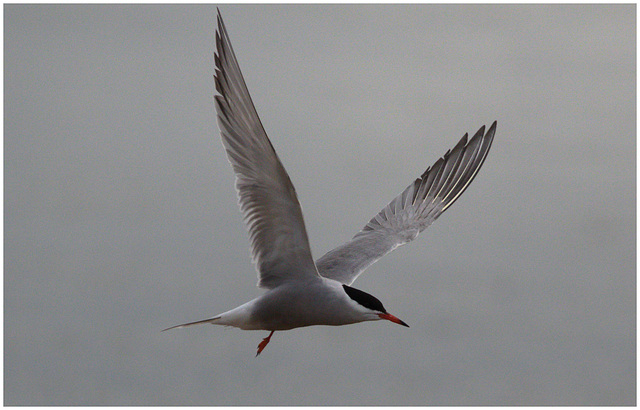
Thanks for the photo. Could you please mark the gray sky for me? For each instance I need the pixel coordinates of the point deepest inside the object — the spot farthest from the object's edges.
(121, 215)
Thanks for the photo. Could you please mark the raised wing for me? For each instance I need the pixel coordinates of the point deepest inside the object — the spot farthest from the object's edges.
(412, 211)
(280, 247)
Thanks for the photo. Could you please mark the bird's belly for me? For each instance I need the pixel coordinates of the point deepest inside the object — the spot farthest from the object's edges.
(292, 320)
(283, 310)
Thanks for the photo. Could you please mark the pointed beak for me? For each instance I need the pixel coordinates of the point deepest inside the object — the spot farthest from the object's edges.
(390, 317)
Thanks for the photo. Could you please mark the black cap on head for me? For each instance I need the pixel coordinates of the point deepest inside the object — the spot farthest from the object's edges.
(364, 299)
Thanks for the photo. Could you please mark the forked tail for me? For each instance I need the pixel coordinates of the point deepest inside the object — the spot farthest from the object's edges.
(199, 322)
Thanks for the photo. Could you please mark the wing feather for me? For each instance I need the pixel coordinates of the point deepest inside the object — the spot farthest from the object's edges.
(267, 198)
(411, 212)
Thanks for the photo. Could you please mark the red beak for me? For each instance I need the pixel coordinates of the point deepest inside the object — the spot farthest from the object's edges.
(390, 317)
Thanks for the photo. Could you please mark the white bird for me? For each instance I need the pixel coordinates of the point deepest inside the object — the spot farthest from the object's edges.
(299, 291)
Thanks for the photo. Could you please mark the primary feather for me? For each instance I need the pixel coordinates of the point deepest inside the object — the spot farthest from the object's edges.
(268, 200)
(412, 211)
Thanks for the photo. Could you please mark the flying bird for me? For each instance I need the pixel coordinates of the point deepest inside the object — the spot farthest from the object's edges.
(299, 291)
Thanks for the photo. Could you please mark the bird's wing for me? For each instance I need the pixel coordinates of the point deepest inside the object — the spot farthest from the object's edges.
(410, 212)
(267, 198)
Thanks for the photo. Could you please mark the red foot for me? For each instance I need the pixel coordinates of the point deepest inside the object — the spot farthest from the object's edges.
(264, 343)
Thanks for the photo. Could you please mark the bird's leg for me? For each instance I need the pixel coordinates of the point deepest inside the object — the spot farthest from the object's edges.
(264, 343)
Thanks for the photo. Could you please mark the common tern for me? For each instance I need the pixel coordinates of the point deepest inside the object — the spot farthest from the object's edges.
(301, 292)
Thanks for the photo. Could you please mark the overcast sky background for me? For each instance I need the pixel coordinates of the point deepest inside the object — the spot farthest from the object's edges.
(121, 216)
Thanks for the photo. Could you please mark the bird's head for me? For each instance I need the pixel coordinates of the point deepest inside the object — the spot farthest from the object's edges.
(370, 305)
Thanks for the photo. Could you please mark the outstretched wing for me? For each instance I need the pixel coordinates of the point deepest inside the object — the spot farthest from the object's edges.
(412, 211)
(267, 198)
